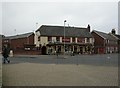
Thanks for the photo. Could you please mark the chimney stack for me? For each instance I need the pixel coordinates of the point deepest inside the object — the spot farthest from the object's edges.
(113, 31)
(88, 27)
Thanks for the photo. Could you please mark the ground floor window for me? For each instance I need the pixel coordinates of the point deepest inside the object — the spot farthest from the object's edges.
(66, 48)
(75, 48)
(116, 49)
(59, 48)
(71, 48)
(108, 49)
(81, 50)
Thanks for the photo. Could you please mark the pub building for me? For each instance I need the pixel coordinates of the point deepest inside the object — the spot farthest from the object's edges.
(51, 39)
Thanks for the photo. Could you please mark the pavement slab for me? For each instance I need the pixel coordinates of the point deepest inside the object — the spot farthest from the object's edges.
(30, 74)
(50, 70)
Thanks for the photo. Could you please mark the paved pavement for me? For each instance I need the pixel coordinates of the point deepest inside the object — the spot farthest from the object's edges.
(82, 70)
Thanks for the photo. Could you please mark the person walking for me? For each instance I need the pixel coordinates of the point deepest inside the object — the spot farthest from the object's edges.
(58, 51)
(5, 54)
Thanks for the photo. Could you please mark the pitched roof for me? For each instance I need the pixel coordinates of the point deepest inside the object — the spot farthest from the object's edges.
(118, 36)
(47, 30)
(1, 36)
(19, 36)
(104, 35)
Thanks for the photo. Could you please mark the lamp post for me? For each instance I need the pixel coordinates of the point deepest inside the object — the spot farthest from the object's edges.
(36, 25)
(15, 31)
(64, 37)
(36, 36)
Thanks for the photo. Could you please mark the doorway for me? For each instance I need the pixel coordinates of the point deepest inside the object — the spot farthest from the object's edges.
(44, 50)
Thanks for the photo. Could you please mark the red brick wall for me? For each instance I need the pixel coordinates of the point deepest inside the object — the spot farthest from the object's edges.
(99, 41)
(25, 52)
(19, 43)
(31, 39)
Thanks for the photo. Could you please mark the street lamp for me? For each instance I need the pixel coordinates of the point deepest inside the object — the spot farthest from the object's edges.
(64, 37)
(36, 33)
(15, 31)
(36, 24)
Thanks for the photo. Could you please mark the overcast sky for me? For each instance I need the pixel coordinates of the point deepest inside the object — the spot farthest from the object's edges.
(22, 16)
(0, 18)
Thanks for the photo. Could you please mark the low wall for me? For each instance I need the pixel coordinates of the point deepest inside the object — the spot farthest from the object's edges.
(27, 52)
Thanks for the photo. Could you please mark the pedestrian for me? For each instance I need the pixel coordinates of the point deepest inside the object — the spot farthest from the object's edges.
(5, 54)
(58, 51)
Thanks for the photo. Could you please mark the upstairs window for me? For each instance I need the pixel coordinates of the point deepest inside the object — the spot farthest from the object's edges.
(107, 41)
(39, 38)
(73, 39)
(57, 39)
(88, 39)
(49, 38)
(81, 40)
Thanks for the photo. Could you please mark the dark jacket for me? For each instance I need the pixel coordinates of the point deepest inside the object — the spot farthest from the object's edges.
(5, 52)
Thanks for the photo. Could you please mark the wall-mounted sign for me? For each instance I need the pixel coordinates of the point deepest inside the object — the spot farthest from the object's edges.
(81, 40)
(65, 39)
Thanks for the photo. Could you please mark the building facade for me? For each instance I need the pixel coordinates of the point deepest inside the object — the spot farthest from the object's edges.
(116, 36)
(20, 43)
(51, 39)
(1, 36)
(104, 43)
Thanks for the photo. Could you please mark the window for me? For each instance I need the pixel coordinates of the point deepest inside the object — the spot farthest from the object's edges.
(5, 40)
(73, 39)
(108, 49)
(49, 38)
(57, 39)
(59, 48)
(81, 40)
(75, 49)
(71, 48)
(107, 41)
(88, 40)
(39, 38)
(66, 48)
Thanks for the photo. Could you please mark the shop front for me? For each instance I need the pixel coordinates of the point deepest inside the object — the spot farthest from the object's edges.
(52, 48)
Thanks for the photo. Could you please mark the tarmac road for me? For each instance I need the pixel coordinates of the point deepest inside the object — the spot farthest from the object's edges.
(97, 60)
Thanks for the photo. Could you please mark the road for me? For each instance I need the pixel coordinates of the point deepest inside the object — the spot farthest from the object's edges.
(79, 70)
(97, 60)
